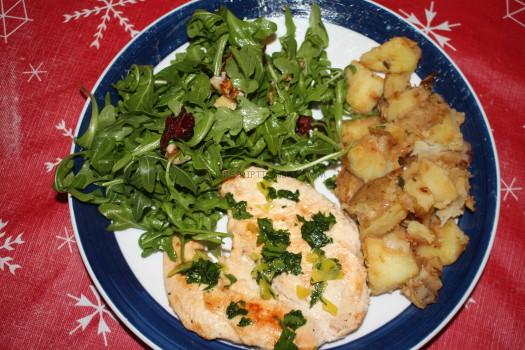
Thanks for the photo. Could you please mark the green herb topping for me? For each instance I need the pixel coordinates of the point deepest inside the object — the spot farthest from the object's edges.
(236, 309)
(275, 260)
(313, 231)
(238, 209)
(290, 323)
(274, 194)
(201, 271)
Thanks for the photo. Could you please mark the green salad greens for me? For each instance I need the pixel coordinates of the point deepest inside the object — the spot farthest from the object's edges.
(155, 159)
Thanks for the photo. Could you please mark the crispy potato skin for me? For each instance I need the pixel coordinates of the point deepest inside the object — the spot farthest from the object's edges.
(405, 178)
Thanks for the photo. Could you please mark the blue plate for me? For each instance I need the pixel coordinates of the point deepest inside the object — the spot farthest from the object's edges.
(413, 327)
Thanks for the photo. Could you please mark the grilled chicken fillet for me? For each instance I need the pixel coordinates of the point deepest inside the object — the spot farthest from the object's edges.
(204, 311)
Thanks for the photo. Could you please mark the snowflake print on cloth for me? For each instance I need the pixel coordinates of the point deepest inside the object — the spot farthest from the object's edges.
(108, 9)
(66, 239)
(99, 309)
(515, 10)
(9, 245)
(510, 189)
(68, 132)
(35, 72)
(11, 18)
(429, 29)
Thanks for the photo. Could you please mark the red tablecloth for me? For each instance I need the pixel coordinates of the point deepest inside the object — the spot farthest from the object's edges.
(49, 48)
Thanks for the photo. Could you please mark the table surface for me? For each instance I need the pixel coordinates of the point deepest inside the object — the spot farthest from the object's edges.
(49, 49)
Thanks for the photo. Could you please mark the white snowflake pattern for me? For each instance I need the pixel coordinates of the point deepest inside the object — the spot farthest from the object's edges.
(65, 130)
(429, 29)
(52, 165)
(9, 245)
(99, 309)
(35, 72)
(10, 19)
(514, 7)
(68, 132)
(108, 9)
(67, 239)
(510, 189)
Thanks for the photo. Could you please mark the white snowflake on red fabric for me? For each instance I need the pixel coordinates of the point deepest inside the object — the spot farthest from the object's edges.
(108, 9)
(68, 239)
(9, 245)
(99, 309)
(35, 72)
(429, 29)
(67, 132)
(510, 189)
(12, 18)
(515, 10)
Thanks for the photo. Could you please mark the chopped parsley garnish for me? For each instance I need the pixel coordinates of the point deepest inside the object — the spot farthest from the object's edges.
(274, 260)
(290, 323)
(238, 209)
(271, 176)
(274, 194)
(317, 293)
(330, 183)
(313, 231)
(245, 321)
(236, 309)
(202, 271)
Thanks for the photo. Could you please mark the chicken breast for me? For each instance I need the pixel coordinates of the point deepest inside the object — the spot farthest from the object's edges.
(204, 311)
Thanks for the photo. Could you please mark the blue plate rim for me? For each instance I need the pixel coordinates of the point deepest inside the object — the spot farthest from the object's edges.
(481, 266)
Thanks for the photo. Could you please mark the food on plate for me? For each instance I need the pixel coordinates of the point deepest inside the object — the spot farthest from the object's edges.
(405, 179)
(286, 255)
(178, 151)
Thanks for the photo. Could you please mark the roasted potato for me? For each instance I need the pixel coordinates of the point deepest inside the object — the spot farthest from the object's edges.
(390, 262)
(397, 55)
(395, 83)
(354, 130)
(363, 88)
(450, 243)
(347, 185)
(419, 232)
(423, 289)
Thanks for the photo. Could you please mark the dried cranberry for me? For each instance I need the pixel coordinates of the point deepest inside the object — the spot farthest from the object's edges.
(179, 128)
(304, 125)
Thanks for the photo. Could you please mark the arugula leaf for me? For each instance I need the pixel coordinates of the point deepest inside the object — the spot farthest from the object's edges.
(313, 231)
(330, 182)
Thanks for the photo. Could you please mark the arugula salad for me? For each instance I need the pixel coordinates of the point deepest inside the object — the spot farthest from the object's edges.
(154, 159)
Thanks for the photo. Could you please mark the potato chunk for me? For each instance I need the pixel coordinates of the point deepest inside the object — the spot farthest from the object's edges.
(363, 88)
(423, 289)
(430, 185)
(397, 55)
(389, 266)
(354, 130)
(451, 242)
(419, 232)
(395, 83)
